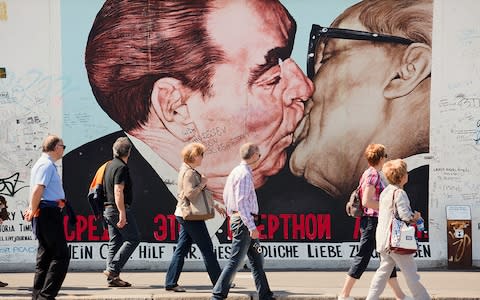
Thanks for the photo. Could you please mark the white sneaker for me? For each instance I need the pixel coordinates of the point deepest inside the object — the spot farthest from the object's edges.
(346, 298)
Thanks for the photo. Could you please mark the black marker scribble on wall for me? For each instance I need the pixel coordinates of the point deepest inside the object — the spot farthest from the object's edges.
(8, 185)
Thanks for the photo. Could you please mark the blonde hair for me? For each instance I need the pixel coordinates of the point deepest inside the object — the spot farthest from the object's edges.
(192, 150)
(394, 170)
(374, 153)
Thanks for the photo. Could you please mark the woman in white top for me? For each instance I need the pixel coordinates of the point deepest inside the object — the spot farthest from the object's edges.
(393, 194)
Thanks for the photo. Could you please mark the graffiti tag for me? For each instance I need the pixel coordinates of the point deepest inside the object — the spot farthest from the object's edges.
(8, 185)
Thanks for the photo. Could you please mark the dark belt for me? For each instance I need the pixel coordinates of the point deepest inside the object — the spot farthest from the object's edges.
(52, 204)
(59, 204)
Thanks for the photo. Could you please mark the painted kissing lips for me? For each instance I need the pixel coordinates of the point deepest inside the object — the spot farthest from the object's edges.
(284, 142)
(279, 146)
(301, 130)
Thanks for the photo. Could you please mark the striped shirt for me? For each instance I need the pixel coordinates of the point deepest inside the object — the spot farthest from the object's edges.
(239, 194)
(371, 177)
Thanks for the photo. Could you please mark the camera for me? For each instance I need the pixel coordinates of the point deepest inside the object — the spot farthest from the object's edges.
(256, 246)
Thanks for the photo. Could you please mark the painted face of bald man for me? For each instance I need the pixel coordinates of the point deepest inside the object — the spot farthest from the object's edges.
(365, 92)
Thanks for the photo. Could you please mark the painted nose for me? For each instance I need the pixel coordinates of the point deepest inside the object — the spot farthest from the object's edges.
(299, 87)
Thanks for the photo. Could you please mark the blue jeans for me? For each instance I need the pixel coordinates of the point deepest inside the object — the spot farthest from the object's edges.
(242, 244)
(368, 229)
(192, 231)
(123, 241)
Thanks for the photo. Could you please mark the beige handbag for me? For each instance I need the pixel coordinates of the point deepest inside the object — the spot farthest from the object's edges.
(198, 209)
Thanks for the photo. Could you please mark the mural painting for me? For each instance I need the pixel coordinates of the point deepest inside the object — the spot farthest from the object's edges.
(311, 84)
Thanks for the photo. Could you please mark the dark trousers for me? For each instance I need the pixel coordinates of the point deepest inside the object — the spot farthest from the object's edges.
(53, 255)
(122, 241)
(192, 231)
(368, 229)
(242, 244)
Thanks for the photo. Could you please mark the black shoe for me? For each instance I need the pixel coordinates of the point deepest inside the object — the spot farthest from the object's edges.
(117, 282)
(271, 297)
(176, 288)
(3, 284)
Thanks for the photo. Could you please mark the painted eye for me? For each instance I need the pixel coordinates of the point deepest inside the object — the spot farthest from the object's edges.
(273, 81)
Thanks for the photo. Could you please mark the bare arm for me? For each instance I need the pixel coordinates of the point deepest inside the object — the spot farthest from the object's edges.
(367, 197)
(35, 198)
(120, 202)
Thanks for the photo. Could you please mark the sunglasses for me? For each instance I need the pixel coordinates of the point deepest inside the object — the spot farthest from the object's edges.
(319, 35)
(63, 146)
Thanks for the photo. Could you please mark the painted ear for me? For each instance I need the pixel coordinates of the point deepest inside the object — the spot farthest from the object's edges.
(169, 97)
(416, 65)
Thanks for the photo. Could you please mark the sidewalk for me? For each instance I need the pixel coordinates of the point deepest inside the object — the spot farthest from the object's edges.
(286, 285)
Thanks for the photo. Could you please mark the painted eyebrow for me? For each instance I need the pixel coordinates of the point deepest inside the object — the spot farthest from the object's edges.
(271, 60)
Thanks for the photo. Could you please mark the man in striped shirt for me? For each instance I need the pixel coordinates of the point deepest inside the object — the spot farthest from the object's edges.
(242, 207)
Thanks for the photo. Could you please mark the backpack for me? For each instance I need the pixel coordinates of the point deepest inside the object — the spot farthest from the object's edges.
(96, 194)
(354, 207)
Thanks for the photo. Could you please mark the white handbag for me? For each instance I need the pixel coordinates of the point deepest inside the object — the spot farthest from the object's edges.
(402, 235)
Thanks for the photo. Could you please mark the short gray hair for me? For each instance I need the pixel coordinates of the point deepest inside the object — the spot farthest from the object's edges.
(121, 147)
(248, 150)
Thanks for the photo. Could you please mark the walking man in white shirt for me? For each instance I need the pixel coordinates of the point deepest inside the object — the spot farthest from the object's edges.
(242, 207)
